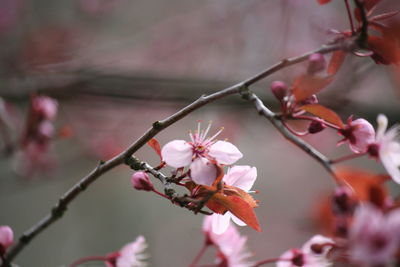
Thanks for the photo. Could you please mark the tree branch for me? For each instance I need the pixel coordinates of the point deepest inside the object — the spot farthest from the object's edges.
(279, 125)
(61, 206)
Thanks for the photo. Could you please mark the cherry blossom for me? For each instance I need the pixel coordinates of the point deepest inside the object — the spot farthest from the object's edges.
(45, 106)
(374, 236)
(312, 254)
(242, 177)
(200, 154)
(231, 245)
(360, 134)
(387, 147)
(132, 254)
(6, 238)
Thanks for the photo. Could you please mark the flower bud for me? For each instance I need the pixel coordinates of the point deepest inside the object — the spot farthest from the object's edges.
(316, 63)
(279, 89)
(141, 181)
(360, 134)
(6, 238)
(316, 127)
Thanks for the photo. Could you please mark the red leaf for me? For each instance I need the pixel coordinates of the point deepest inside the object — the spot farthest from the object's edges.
(324, 113)
(385, 50)
(306, 85)
(239, 208)
(336, 62)
(153, 143)
(323, 2)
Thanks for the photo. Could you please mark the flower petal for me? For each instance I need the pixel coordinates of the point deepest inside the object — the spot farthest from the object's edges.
(202, 171)
(224, 152)
(220, 223)
(177, 153)
(241, 176)
(237, 220)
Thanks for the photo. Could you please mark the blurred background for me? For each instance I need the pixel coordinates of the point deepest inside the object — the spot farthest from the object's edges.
(116, 66)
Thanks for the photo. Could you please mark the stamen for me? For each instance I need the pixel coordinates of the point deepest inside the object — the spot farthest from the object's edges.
(203, 136)
(191, 136)
(215, 135)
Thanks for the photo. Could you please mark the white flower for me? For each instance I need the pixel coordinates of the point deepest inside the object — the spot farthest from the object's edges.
(199, 154)
(132, 254)
(387, 147)
(242, 177)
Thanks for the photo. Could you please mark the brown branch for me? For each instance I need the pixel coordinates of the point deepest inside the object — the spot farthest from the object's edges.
(61, 206)
(276, 121)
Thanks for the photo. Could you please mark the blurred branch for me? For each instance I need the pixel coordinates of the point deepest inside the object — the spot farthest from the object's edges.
(61, 206)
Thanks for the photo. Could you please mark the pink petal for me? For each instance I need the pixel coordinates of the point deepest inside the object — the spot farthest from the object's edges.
(237, 220)
(224, 152)
(220, 223)
(202, 171)
(389, 162)
(241, 176)
(177, 153)
(364, 134)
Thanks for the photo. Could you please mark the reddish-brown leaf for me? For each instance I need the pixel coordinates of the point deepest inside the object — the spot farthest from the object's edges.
(385, 50)
(240, 208)
(369, 4)
(323, 2)
(366, 185)
(235, 191)
(306, 85)
(336, 62)
(153, 143)
(324, 113)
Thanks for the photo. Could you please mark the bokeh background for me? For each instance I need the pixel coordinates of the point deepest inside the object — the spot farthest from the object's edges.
(116, 66)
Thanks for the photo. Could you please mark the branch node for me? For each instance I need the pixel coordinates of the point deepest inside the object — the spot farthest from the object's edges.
(157, 125)
(244, 92)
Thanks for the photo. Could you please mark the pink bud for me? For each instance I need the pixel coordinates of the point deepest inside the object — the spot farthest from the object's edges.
(141, 181)
(46, 129)
(316, 63)
(360, 134)
(45, 106)
(6, 238)
(279, 89)
(316, 127)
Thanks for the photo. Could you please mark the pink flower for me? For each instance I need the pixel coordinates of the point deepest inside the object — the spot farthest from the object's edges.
(132, 254)
(374, 236)
(360, 134)
(141, 181)
(312, 254)
(45, 106)
(6, 238)
(387, 147)
(242, 177)
(231, 246)
(199, 154)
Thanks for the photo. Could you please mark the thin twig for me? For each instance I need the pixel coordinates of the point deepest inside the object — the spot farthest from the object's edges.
(277, 123)
(61, 206)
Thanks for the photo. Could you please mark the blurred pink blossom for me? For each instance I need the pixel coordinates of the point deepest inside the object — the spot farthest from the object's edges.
(131, 255)
(200, 153)
(308, 256)
(45, 106)
(374, 236)
(242, 177)
(232, 251)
